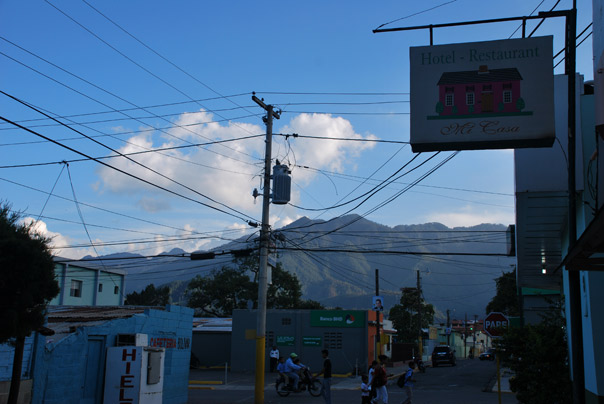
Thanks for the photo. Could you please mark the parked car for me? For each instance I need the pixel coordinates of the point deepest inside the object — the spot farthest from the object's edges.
(443, 354)
(488, 355)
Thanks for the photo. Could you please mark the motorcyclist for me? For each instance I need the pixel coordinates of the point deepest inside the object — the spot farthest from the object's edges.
(292, 368)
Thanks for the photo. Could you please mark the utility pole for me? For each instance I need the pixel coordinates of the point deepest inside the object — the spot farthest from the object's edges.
(419, 316)
(264, 244)
(474, 336)
(378, 345)
(465, 335)
(448, 330)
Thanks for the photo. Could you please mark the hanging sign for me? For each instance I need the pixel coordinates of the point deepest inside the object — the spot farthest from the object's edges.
(482, 95)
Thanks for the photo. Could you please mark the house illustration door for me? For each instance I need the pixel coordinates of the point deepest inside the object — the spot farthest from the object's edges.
(487, 102)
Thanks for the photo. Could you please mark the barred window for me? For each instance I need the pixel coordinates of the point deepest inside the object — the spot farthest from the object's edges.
(332, 340)
(286, 321)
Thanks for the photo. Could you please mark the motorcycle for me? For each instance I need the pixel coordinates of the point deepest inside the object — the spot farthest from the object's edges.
(307, 382)
(420, 364)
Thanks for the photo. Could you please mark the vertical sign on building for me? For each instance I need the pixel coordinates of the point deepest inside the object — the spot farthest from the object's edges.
(123, 375)
(482, 95)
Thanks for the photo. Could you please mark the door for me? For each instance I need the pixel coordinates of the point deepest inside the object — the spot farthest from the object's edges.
(93, 379)
(487, 102)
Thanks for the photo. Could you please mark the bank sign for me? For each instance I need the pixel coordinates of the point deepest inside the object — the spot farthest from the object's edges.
(337, 318)
(482, 95)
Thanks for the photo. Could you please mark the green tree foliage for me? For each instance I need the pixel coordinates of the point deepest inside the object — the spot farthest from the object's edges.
(506, 299)
(27, 285)
(538, 355)
(404, 316)
(439, 108)
(232, 288)
(520, 104)
(221, 292)
(150, 296)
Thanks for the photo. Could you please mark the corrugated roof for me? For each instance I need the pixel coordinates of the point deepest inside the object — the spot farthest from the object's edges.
(474, 76)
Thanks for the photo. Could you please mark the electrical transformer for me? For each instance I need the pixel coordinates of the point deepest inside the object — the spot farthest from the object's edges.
(282, 184)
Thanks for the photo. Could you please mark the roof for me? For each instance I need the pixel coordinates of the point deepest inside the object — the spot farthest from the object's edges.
(212, 324)
(88, 265)
(474, 76)
(65, 320)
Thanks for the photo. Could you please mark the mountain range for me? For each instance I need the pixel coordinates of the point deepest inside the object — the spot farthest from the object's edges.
(336, 262)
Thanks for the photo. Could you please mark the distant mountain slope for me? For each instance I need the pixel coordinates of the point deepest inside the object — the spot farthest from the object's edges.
(324, 255)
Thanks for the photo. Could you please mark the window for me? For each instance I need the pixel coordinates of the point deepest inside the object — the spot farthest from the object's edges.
(286, 321)
(116, 290)
(507, 96)
(332, 340)
(449, 100)
(100, 287)
(469, 98)
(487, 88)
(76, 288)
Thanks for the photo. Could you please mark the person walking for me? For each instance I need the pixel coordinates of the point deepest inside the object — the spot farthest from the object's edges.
(380, 379)
(365, 390)
(326, 372)
(409, 381)
(274, 358)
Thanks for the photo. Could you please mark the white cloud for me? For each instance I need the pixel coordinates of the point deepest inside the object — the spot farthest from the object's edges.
(469, 216)
(226, 173)
(331, 155)
(58, 242)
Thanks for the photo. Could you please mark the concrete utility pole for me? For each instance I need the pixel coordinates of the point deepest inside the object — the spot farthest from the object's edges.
(378, 345)
(264, 244)
(419, 316)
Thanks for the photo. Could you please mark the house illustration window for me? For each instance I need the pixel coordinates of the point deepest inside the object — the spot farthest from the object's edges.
(449, 98)
(76, 288)
(470, 98)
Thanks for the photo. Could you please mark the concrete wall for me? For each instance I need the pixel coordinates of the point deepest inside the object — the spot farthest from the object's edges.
(24, 392)
(348, 347)
(72, 369)
(212, 348)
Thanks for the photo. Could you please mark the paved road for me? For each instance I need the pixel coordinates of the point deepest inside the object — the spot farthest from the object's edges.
(462, 384)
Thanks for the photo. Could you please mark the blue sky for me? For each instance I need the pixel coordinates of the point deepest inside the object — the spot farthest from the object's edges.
(317, 61)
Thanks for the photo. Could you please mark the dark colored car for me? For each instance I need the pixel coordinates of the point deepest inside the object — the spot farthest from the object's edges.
(488, 355)
(443, 354)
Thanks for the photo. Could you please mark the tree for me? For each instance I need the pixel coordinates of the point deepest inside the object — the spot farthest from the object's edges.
(404, 316)
(506, 299)
(150, 296)
(220, 293)
(27, 285)
(538, 355)
(232, 288)
(439, 108)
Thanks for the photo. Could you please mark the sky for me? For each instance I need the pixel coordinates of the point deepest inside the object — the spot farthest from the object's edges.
(168, 80)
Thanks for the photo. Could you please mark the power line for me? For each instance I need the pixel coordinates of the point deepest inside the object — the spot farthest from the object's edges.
(419, 12)
(129, 159)
(122, 171)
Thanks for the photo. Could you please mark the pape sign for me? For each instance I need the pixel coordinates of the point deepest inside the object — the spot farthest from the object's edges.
(482, 95)
(495, 324)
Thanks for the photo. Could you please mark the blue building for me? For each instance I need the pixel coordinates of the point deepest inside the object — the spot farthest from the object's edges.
(88, 285)
(69, 366)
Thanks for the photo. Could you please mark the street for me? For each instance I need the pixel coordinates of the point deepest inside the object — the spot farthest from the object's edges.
(461, 384)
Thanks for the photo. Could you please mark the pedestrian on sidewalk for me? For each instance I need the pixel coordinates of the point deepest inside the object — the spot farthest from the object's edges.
(371, 371)
(326, 372)
(365, 390)
(408, 382)
(274, 358)
(380, 379)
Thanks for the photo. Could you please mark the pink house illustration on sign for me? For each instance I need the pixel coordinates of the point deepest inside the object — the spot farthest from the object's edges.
(479, 92)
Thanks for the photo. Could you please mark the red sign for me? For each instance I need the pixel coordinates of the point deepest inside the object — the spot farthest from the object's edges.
(495, 324)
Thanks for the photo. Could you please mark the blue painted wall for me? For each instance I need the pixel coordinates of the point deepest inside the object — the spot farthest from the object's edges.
(64, 371)
(7, 353)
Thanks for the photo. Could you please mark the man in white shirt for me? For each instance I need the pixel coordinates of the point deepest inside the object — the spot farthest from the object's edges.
(274, 358)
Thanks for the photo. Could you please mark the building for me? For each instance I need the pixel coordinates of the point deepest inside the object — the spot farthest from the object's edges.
(560, 230)
(349, 335)
(211, 343)
(480, 92)
(70, 366)
(88, 285)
